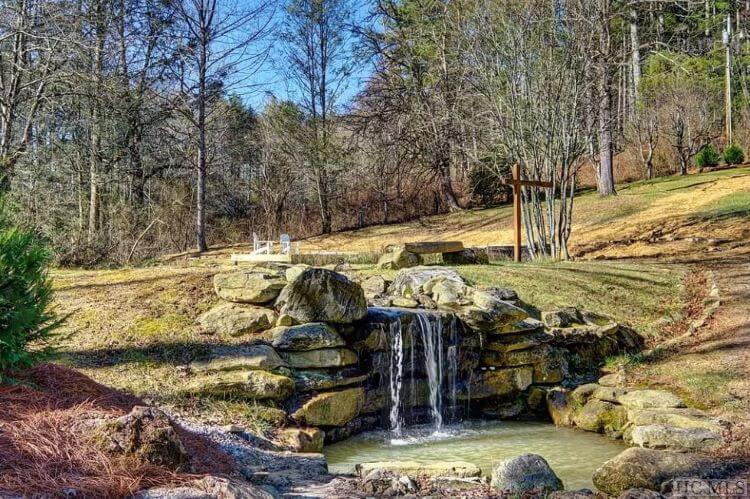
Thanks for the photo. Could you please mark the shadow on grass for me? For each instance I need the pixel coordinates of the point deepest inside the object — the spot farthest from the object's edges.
(157, 353)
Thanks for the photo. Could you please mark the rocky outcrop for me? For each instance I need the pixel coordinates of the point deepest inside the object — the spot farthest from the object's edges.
(331, 408)
(329, 357)
(242, 357)
(147, 435)
(649, 469)
(233, 319)
(305, 337)
(253, 384)
(525, 473)
(654, 419)
(248, 286)
(415, 470)
(320, 295)
(499, 382)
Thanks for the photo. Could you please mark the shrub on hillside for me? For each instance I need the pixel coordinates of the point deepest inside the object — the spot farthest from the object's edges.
(734, 155)
(707, 156)
(25, 294)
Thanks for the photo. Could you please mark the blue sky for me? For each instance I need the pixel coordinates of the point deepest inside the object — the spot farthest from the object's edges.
(270, 80)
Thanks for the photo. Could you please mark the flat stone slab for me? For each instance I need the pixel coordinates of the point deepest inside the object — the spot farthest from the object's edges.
(244, 357)
(650, 399)
(429, 247)
(414, 469)
(673, 438)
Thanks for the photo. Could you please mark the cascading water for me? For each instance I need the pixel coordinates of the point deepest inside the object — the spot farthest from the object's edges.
(396, 375)
(440, 364)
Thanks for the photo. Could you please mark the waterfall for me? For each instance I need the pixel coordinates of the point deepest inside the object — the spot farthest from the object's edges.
(431, 333)
(439, 359)
(396, 375)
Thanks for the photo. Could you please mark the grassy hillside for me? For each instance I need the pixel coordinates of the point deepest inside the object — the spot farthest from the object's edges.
(670, 216)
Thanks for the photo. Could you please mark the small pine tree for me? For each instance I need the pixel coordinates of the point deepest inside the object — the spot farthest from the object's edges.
(707, 156)
(734, 155)
(25, 295)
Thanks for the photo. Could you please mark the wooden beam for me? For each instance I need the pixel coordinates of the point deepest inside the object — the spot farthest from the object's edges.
(427, 247)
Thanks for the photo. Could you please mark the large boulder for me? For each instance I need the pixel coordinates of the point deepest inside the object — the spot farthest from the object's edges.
(254, 384)
(209, 487)
(374, 286)
(649, 469)
(487, 314)
(321, 295)
(316, 359)
(301, 439)
(147, 435)
(601, 417)
(234, 319)
(241, 357)
(248, 286)
(398, 259)
(680, 418)
(561, 406)
(499, 382)
(524, 473)
(408, 282)
(673, 438)
(650, 399)
(331, 408)
(414, 470)
(306, 337)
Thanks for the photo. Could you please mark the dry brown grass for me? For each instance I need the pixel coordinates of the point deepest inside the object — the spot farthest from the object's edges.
(47, 451)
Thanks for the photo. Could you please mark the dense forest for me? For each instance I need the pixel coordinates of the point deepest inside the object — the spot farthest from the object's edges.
(127, 129)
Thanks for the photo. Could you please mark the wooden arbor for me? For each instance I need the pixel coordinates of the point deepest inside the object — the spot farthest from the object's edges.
(517, 183)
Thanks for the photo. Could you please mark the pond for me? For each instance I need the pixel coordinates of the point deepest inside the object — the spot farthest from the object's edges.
(572, 454)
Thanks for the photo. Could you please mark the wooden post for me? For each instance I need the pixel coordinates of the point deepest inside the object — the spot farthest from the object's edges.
(516, 173)
(517, 184)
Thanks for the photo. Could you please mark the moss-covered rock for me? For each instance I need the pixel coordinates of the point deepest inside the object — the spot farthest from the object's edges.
(248, 286)
(254, 384)
(233, 319)
(601, 417)
(649, 469)
(331, 408)
(499, 382)
(399, 259)
(650, 399)
(301, 439)
(561, 406)
(315, 359)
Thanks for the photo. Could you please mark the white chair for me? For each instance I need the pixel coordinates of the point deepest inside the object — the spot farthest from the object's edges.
(286, 244)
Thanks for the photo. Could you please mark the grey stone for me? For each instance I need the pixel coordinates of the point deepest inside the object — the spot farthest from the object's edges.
(398, 259)
(331, 408)
(320, 295)
(409, 282)
(234, 319)
(310, 336)
(673, 438)
(600, 416)
(254, 384)
(524, 473)
(229, 358)
(248, 286)
(412, 469)
(648, 399)
(499, 382)
(649, 469)
(209, 487)
(316, 359)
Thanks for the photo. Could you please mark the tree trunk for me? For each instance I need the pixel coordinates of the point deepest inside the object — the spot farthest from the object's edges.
(95, 153)
(447, 186)
(200, 218)
(635, 46)
(605, 183)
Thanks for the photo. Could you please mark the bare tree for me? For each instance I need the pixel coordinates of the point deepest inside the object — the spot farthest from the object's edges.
(319, 61)
(221, 40)
(643, 132)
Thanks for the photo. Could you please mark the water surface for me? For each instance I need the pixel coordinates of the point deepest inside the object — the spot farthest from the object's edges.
(573, 454)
